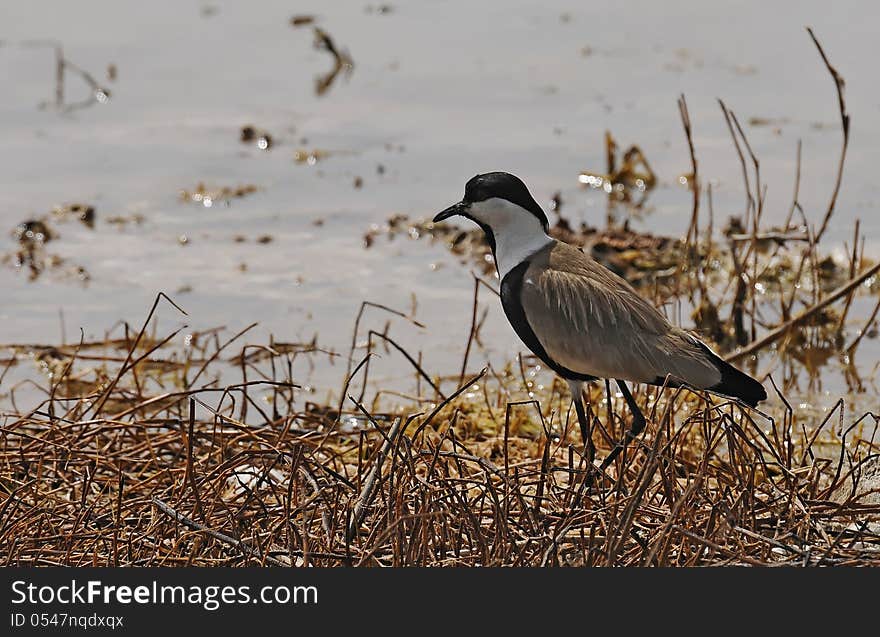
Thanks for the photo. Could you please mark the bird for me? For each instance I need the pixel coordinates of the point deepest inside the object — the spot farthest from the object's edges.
(581, 319)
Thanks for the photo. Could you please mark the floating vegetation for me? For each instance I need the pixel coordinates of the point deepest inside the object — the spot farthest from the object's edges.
(302, 20)
(209, 197)
(311, 157)
(33, 232)
(36, 261)
(768, 121)
(120, 221)
(628, 181)
(32, 235)
(256, 136)
(640, 257)
(83, 213)
(342, 62)
(263, 239)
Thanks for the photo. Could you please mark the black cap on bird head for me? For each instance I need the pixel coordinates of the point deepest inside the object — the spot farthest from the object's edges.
(496, 185)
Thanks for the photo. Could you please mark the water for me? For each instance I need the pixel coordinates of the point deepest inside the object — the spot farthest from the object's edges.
(439, 92)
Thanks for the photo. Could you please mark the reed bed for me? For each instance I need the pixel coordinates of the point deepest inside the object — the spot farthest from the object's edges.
(131, 460)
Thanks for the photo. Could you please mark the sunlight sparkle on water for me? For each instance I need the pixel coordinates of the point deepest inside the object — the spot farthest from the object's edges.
(593, 181)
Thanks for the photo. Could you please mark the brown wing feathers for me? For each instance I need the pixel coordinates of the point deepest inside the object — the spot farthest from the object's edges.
(589, 321)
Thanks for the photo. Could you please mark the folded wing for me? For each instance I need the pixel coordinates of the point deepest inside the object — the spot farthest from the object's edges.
(591, 321)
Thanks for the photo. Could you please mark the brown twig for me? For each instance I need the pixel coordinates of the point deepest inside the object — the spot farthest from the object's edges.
(783, 329)
(844, 123)
(370, 484)
(245, 548)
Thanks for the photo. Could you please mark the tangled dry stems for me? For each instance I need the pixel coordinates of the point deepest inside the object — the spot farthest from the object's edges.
(126, 463)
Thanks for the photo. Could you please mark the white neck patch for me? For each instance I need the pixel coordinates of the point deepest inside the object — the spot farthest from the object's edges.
(518, 233)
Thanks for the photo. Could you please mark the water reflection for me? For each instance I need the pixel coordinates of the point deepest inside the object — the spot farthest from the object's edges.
(98, 94)
(628, 181)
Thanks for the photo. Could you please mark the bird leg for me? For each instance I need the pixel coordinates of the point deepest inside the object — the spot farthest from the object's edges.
(638, 425)
(577, 389)
(610, 407)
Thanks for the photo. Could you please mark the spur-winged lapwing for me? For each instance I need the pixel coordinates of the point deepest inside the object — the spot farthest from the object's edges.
(581, 319)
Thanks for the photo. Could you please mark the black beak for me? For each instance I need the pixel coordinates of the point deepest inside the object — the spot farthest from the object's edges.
(459, 208)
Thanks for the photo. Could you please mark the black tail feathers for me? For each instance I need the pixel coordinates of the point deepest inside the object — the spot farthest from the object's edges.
(737, 384)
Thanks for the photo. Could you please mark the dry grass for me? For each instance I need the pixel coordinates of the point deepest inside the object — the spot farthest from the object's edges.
(128, 461)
